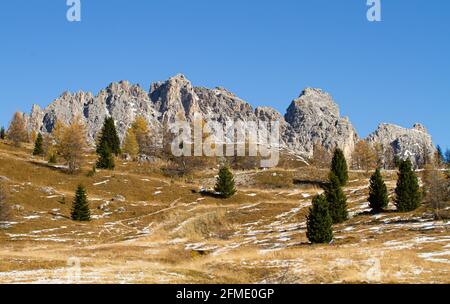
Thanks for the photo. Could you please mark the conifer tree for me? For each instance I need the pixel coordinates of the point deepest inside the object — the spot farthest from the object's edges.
(17, 131)
(38, 148)
(378, 194)
(408, 194)
(339, 166)
(319, 222)
(225, 183)
(2, 133)
(337, 201)
(109, 136)
(80, 207)
(440, 158)
(130, 144)
(71, 144)
(106, 159)
(141, 131)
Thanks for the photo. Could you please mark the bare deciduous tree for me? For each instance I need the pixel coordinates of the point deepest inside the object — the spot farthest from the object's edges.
(72, 144)
(17, 131)
(436, 187)
(321, 157)
(364, 156)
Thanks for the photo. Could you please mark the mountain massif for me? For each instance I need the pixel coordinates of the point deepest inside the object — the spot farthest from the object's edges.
(312, 118)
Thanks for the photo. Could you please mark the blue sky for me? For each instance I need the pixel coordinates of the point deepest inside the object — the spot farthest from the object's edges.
(266, 52)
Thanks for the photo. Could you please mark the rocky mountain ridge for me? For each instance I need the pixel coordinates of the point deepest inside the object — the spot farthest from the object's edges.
(312, 118)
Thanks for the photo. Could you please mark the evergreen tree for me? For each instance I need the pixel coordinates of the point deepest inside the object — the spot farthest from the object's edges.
(106, 159)
(378, 195)
(80, 207)
(447, 156)
(109, 136)
(440, 155)
(2, 133)
(38, 149)
(408, 194)
(337, 201)
(339, 166)
(225, 183)
(319, 222)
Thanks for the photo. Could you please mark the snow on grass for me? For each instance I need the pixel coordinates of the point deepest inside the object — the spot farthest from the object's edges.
(102, 183)
(430, 256)
(31, 217)
(248, 206)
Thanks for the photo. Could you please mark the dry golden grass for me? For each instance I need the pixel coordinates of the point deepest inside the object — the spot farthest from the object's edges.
(164, 232)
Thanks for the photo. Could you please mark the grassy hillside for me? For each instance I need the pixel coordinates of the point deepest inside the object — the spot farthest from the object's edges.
(148, 228)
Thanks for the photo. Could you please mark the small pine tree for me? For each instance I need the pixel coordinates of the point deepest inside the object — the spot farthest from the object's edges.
(52, 158)
(80, 208)
(106, 159)
(109, 136)
(408, 194)
(378, 194)
(339, 166)
(337, 201)
(2, 133)
(439, 155)
(319, 222)
(225, 183)
(38, 149)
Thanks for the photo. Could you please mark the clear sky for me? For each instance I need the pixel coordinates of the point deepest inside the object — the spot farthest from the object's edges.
(266, 52)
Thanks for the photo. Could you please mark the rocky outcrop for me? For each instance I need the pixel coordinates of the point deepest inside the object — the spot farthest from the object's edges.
(311, 118)
(415, 144)
(314, 118)
(120, 100)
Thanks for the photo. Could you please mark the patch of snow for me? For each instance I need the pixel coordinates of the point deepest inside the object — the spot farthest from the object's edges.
(101, 183)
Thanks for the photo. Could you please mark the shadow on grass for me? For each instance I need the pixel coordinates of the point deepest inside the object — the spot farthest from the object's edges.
(314, 183)
(54, 167)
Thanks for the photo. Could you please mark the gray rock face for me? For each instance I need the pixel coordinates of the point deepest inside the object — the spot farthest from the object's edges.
(415, 144)
(314, 118)
(311, 118)
(120, 100)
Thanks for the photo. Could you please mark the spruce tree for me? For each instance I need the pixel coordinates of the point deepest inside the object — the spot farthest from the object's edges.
(447, 156)
(2, 133)
(38, 149)
(319, 222)
(408, 194)
(80, 207)
(337, 201)
(378, 194)
(106, 159)
(225, 183)
(109, 136)
(339, 166)
(440, 155)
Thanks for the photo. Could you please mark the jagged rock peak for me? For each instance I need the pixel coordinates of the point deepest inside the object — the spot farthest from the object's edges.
(314, 118)
(415, 143)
